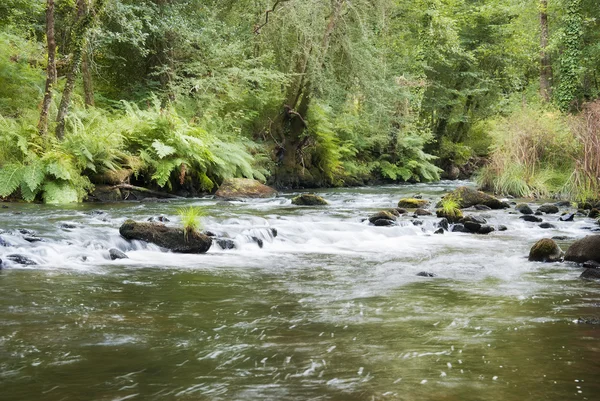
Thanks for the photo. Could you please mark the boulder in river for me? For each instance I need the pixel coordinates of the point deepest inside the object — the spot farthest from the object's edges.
(545, 250)
(412, 203)
(225, 243)
(591, 274)
(524, 208)
(587, 248)
(309, 200)
(244, 188)
(548, 208)
(383, 223)
(547, 225)
(467, 197)
(171, 238)
(591, 264)
(594, 213)
(422, 212)
(426, 274)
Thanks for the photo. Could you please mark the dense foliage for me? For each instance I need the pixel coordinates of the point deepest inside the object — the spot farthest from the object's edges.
(180, 95)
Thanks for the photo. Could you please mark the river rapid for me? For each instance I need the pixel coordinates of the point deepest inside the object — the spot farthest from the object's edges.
(331, 308)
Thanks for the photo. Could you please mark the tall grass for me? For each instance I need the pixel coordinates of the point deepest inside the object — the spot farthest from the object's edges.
(532, 155)
(585, 181)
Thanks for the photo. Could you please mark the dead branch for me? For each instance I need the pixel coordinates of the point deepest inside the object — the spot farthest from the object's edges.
(259, 27)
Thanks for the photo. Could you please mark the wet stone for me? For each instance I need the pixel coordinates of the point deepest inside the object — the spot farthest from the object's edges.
(547, 225)
(426, 274)
(439, 231)
(531, 219)
(524, 208)
(591, 264)
(383, 223)
(21, 259)
(115, 254)
(567, 217)
(548, 209)
(225, 243)
(591, 274)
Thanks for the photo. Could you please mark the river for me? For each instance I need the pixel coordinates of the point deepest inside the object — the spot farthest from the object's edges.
(329, 309)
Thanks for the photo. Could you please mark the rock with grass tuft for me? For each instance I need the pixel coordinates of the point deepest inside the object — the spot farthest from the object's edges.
(467, 197)
(174, 239)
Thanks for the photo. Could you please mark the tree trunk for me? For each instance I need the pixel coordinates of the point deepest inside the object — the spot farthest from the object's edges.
(88, 84)
(51, 69)
(292, 123)
(545, 66)
(82, 25)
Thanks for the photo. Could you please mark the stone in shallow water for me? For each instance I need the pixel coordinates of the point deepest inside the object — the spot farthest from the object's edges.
(545, 250)
(567, 217)
(225, 243)
(585, 249)
(548, 209)
(486, 229)
(439, 231)
(426, 274)
(591, 264)
(115, 254)
(547, 225)
(383, 223)
(21, 259)
(412, 203)
(591, 274)
(309, 200)
(524, 208)
(165, 237)
(531, 219)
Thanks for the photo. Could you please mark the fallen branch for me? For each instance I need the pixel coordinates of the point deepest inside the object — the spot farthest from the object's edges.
(146, 191)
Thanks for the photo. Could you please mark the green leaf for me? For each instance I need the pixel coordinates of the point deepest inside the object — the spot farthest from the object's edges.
(10, 178)
(33, 176)
(59, 193)
(162, 150)
(26, 193)
(59, 170)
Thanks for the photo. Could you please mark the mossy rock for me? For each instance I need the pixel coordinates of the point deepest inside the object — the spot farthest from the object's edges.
(587, 248)
(382, 215)
(453, 216)
(548, 208)
(309, 200)
(171, 238)
(412, 203)
(467, 197)
(105, 193)
(244, 188)
(545, 250)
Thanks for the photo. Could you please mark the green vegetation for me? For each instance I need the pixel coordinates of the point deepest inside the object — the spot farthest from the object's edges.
(190, 219)
(450, 209)
(184, 94)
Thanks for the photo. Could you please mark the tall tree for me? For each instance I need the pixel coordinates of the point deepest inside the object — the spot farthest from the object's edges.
(51, 69)
(85, 17)
(545, 63)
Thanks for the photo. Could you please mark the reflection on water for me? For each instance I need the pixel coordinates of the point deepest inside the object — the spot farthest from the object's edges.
(330, 309)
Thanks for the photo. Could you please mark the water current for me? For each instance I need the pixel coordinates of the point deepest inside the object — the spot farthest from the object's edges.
(331, 308)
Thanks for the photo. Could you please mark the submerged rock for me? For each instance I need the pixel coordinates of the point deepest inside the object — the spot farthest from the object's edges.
(547, 225)
(412, 203)
(482, 207)
(588, 320)
(225, 243)
(383, 223)
(160, 218)
(165, 237)
(591, 264)
(443, 223)
(587, 248)
(21, 259)
(309, 200)
(439, 231)
(545, 250)
(591, 274)
(548, 208)
(244, 188)
(467, 197)
(426, 274)
(524, 208)
(115, 254)
(422, 212)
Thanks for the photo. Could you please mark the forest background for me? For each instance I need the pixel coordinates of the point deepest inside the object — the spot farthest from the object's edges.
(178, 95)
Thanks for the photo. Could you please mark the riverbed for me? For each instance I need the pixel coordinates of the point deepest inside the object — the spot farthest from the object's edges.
(330, 308)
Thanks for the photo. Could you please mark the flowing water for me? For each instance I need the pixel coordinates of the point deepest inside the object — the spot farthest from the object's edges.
(330, 308)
